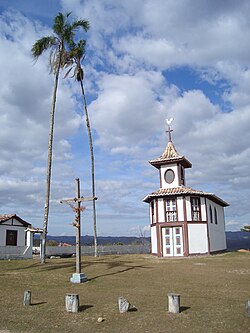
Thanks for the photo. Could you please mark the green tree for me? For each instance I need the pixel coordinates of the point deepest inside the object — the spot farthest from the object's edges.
(246, 228)
(63, 35)
(73, 61)
(52, 242)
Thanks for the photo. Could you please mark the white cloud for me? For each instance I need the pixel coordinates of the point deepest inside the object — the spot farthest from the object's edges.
(25, 97)
(129, 47)
(126, 110)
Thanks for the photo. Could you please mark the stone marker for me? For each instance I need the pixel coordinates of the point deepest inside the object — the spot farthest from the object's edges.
(27, 298)
(123, 305)
(248, 308)
(78, 278)
(72, 302)
(174, 303)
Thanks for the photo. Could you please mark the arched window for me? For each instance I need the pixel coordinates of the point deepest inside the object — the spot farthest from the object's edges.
(211, 214)
(215, 216)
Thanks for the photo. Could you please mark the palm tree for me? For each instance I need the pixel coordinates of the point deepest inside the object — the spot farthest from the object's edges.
(57, 43)
(73, 59)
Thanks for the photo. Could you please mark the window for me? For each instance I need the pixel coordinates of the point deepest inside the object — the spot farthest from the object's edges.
(211, 214)
(152, 211)
(171, 214)
(169, 176)
(182, 176)
(215, 216)
(195, 209)
(11, 237)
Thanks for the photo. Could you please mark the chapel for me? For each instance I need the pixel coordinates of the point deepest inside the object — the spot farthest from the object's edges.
(183, 221)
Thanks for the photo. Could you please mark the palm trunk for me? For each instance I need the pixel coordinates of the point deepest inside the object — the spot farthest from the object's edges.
(92, 167)
(49, 165)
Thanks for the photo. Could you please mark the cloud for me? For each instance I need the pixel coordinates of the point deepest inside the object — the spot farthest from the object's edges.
(126, 110)
(131, 48)
(24, 114)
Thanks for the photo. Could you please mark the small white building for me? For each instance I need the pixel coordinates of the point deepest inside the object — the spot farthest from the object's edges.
(183, 221)
(16, 238)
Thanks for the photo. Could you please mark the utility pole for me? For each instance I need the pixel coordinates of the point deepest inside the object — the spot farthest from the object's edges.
(78, 276)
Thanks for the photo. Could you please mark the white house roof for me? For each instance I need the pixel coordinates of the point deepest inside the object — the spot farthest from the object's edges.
(6, 217)
(183, 190)
(170, 155)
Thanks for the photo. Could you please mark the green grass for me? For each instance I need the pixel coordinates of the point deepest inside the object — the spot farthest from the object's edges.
(213, 290)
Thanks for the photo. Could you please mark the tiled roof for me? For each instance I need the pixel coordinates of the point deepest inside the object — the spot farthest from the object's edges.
(183, 190)
(170, 155)
(6, 217)
(170, 151)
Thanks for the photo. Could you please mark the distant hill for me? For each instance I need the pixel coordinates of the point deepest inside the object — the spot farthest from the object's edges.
(89, 240)
(238, 240)
(235, 240)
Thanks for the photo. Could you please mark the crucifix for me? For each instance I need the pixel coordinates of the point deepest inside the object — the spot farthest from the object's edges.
(78, 276)
(169, 121)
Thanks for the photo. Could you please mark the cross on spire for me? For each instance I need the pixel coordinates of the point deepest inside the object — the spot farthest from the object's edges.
(169, 121)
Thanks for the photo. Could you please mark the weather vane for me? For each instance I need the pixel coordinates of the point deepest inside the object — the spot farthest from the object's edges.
(168, 122)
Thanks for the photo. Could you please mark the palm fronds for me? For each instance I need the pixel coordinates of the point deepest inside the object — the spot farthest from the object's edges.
(42, 45)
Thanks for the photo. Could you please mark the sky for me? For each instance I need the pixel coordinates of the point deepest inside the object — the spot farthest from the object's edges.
(145, 61)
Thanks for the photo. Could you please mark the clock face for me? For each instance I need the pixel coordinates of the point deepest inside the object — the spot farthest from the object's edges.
(169, 176)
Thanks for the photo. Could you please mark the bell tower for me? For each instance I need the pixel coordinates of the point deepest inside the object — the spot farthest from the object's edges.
(183, 221)
(171, 164)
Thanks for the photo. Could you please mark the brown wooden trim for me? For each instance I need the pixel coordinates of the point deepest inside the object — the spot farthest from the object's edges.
(156, 211)
(14, 225)
(185, 230)
(159, 240)
(151, 211)
(164, 210)
(171, 224)
(196, 222)
(208, 236)
(179, 173)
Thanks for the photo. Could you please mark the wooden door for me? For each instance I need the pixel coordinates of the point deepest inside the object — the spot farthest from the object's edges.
(172, 241)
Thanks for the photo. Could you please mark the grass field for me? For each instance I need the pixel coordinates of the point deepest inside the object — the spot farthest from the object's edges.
(213, 289)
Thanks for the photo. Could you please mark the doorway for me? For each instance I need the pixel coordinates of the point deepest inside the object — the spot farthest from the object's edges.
(172, 241)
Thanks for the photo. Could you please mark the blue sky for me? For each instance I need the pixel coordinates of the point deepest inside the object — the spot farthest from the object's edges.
(145, 61)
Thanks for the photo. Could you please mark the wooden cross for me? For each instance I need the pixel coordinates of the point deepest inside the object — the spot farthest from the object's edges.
(169, 134)
(169, 121)
(77, 223)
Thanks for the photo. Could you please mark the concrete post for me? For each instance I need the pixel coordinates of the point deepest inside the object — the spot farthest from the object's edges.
(174, 303)
(27, 298)
(248, 307)
(72, 302)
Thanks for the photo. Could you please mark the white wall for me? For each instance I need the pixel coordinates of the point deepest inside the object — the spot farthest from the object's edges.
(153, 240)
(180, 209)
(203, 209)
(163, 169)
(20, 234)
(197, 238)
(188, 209)
(217, 233)
(161, 216)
